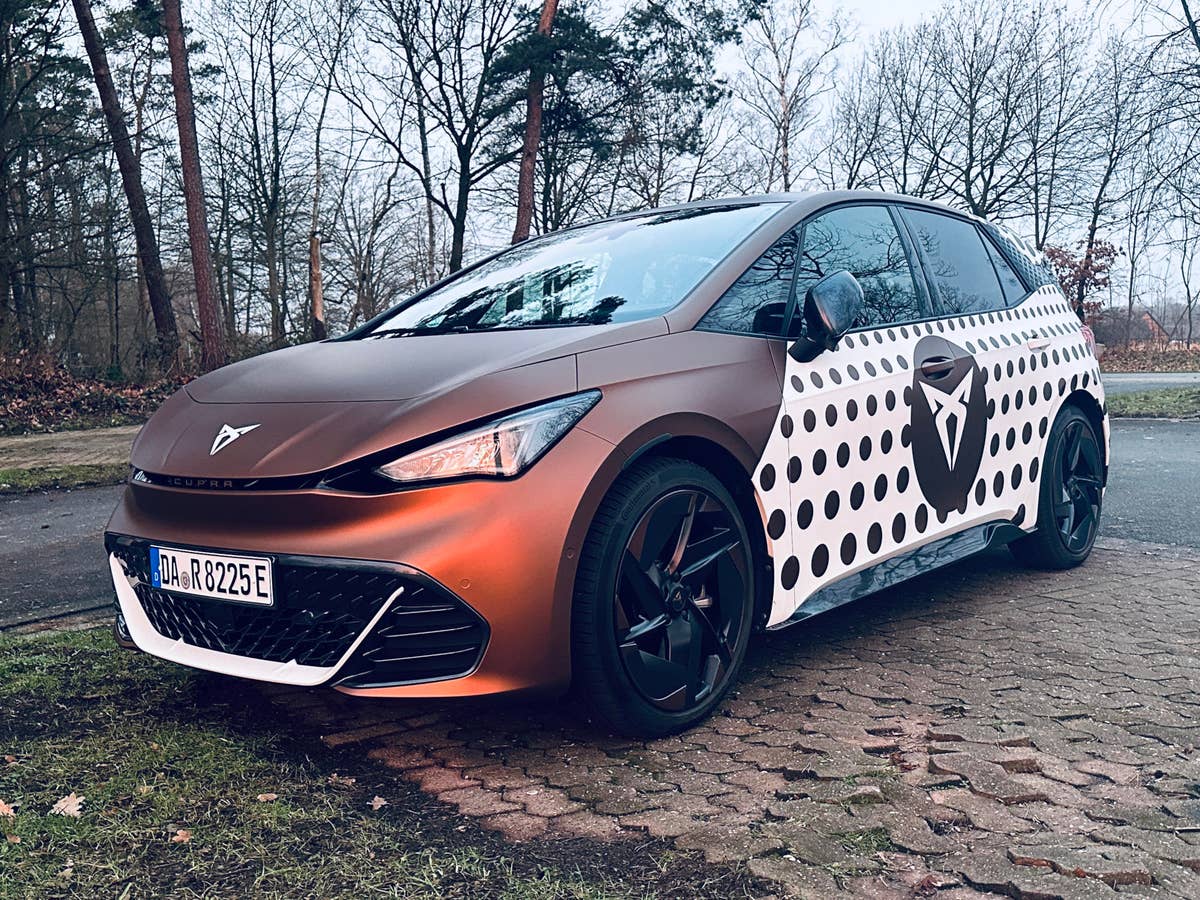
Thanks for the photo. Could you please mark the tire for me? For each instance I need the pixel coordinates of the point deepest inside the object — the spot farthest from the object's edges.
(1070, 496)
(631, 651)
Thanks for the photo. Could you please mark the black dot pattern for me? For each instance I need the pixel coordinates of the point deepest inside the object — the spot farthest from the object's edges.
(843, 436)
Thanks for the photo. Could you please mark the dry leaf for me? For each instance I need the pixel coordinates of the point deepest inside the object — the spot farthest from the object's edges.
(10, 760)
(144, 789)
(378, 802)
(68, 806)
(341, 780)
(267, 798)
(12, 838)
(182, 836)
(6, 811)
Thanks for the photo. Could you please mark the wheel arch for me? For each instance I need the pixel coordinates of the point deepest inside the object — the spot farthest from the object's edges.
(1087, 402)
(708, 443)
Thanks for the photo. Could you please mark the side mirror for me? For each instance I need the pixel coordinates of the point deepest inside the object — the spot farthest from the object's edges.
(831, 307)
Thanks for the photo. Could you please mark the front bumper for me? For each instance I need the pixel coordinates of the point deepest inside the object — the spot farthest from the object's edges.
(345, 622)
(503, 554)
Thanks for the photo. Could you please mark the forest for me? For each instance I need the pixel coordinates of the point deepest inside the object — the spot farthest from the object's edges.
(181, 186)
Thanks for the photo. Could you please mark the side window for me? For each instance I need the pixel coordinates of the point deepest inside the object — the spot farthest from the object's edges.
(957, 263)
(1014, 290)
(864, 241)
(757, 302)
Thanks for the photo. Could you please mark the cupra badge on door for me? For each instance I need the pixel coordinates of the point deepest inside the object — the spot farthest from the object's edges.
(227, 435)
(949, 422)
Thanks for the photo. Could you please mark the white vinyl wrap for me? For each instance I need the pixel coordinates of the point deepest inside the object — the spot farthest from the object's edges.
(836, 482)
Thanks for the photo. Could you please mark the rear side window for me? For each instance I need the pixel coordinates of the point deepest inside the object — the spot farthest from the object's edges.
(957, 263)
(1014, 290)
(757, 302)
(864, 241)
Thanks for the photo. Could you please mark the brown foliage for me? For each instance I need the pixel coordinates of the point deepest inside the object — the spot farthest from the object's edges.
(37, 394)
(1146, 359)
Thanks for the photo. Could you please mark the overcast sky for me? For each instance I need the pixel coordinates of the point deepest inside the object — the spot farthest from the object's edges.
(873, 15)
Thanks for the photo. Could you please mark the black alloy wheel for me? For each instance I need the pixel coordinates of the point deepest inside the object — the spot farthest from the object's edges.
(1079, 475)
(1071, 498)
(679, 598)
(665, 599)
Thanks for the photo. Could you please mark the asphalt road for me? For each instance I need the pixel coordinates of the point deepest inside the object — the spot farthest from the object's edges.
(52, 561)
(1135, 382)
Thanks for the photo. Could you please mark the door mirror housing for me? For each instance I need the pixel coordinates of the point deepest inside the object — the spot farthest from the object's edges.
(831, 307)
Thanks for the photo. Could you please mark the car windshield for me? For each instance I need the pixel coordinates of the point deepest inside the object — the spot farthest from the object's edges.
(616, 271)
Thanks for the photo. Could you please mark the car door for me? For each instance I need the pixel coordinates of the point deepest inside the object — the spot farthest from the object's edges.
(844, 437)
(984, 473)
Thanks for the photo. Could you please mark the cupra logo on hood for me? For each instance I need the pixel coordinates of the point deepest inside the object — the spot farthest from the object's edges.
(227, 435)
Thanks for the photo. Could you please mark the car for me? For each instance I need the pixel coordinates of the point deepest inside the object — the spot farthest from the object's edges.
(601, 459)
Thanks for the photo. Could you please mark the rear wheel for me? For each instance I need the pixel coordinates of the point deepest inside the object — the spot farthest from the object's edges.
(1072, 492)
(664, 599)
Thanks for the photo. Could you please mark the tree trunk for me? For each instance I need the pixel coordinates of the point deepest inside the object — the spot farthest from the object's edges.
(131, 180)
(212, 332)
(533, 130)
(458, 224)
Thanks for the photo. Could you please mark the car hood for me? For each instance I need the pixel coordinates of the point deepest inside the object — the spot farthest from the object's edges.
(399, 368)
(320, 406)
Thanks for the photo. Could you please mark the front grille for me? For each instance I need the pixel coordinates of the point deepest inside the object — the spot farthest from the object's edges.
(427, 635)
(321, 607)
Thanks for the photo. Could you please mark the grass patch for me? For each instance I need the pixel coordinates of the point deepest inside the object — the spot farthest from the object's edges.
(868, 842)
(48, 478)
(1166, 403)
(161, 752)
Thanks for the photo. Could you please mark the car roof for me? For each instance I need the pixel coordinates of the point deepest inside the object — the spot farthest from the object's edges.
(809, 200)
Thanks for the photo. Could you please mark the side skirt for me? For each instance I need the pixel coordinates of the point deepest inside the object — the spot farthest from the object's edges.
(898, 569)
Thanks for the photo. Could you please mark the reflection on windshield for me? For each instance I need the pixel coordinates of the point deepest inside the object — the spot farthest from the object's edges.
(608, 272)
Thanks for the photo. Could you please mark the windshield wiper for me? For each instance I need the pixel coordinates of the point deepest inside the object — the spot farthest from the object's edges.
(406, 332)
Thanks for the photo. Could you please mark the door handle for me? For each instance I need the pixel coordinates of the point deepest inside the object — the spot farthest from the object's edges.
(937, 367)
(1038, 343)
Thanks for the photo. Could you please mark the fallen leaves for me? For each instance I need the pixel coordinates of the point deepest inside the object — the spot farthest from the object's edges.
(9, 759)
(267, 798)
(182, 836)
(341, 780)
(377, 803)
(8, 816)
(69, 805)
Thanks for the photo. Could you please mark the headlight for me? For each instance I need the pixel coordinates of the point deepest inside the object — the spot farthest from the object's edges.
(504, 447)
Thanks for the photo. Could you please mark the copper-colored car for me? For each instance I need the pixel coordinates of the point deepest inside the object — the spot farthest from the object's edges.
(607, 455)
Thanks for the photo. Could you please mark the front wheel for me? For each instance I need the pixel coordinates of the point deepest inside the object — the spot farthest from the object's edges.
(664, 599)
(1072, 492)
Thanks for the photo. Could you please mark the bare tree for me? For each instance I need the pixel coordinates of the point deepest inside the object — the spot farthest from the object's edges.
(441, 55)
(212, 332)
(131, 180)
(784, 77)
(328, 35)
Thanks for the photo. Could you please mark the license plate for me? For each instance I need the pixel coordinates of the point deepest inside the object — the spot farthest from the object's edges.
(217, 576)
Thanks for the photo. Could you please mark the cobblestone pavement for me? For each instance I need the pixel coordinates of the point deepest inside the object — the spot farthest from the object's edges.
(66, 448)
(984, 730)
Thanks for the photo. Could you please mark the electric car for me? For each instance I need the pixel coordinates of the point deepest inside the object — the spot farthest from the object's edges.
(602, 458)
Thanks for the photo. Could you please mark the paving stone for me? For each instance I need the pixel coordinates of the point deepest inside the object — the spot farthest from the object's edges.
(722, 844)
(982, 731)
(796, 878)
